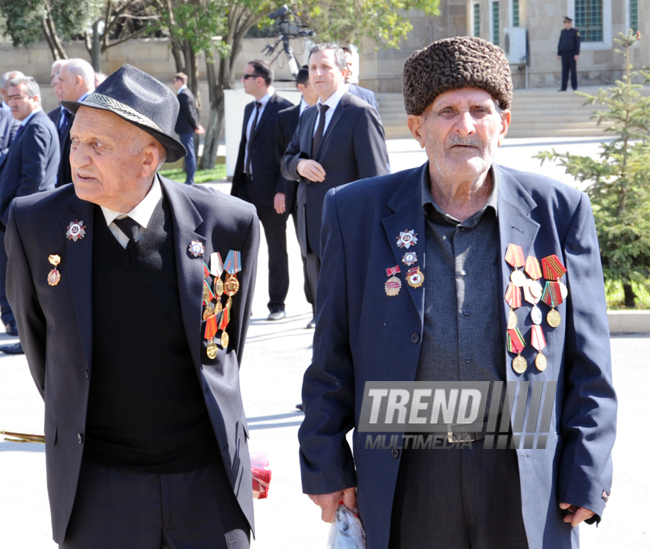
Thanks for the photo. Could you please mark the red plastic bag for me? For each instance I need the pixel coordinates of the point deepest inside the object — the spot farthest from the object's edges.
(261, 475)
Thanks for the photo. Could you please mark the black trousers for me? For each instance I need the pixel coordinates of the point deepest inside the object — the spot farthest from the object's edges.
(458, 499)
(569, 64)
(275, 231)
(309, 296)
(121, 509)
(6, 314)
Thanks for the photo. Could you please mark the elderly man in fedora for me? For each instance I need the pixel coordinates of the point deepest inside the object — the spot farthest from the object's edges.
(132, 296)
(460, 271)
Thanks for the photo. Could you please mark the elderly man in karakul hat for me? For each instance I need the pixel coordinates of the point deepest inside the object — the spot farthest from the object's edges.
(460, 271)
(132, 296)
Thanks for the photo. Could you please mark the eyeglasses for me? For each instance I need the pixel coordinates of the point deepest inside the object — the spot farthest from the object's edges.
(251, 76)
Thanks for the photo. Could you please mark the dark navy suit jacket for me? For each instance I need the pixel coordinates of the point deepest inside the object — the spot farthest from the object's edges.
(352, 148)
(267, 179)
(364, 335)
(64, 174)
(285, 127)
(55, 322)
(188, 117)
(364, 93)
(32, 162)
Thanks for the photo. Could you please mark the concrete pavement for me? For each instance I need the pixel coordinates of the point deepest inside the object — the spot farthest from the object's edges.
(275, 358)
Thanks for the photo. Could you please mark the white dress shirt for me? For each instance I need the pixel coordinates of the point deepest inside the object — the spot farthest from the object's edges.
(332, 102)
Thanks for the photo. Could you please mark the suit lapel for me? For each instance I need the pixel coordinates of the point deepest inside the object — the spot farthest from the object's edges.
(189, 269)
(406, 204)
(268, 109)
(80, 259)
(307, 135)
(514, 205)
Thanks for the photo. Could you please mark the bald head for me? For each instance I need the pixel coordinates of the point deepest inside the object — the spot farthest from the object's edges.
(76, 77)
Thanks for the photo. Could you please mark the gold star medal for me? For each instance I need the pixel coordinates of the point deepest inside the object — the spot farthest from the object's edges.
(415, 277)
(54, 276)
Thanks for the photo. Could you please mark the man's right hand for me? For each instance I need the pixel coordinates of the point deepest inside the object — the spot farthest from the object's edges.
(329, 503)
(312, 170)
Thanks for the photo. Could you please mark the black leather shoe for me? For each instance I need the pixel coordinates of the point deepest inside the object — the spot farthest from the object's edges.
(11, 328)
(13, 349)
(299, 406)
(277, 315)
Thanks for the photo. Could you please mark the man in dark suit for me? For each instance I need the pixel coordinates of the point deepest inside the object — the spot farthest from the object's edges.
(338, 141)
(187, 125)
(362, 93)
(133, 295)
(30, 166)
(415, 269)
(285, 128)
(568, 51)
(75, 80)
(257, 177)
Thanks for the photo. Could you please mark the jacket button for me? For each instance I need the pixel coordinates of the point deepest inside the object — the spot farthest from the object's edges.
(468, 360)
(395, 453)
(415, 338)
(80, 438)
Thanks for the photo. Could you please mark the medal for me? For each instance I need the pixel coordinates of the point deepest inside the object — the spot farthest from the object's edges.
(196, 248)
(208, 312)
(536, 315)
(231, 286)
(216, 265)
(415, 277)
(218, 287)
(208, 296)
(228, 304)
(512, 320)
(538, 342)
(393, 286)
(515, 256)
(410, 258)
(225, 318)
(211, 350)
(553, 318)
(225, 339)
(54, 276)
(516, 344)
(518, 278)
(532, 291)
(218, 308)
(552, 296)
(564, 291)
(533, 269)
(232, 265)
(76, 230)
(513, 298)
(553, 268)
(406, 239)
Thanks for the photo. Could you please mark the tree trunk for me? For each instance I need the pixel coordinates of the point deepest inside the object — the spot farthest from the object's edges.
(629, 296)
(52, 38)
(96, 49)
(177, 52)
(216, 85)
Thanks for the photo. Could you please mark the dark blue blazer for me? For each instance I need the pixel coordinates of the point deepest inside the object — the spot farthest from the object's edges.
(363, 335)
(32, 162)
(188, 117)
(8, 127)
(352, 148)
(267, 179)
(64, 174)
(285, 127)
(55, 322)
(364, 93)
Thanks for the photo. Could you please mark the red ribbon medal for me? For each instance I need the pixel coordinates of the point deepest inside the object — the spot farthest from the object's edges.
(515, 256)
(392, 271)
(210, 327)
(533, 269)
(538, 341)
(553, 268)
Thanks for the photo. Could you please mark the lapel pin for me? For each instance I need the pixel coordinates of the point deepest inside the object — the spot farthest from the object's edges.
(54, 276)
(76, 230)
(415, 277)
(406, 239)
(196, 248)
(410, 258)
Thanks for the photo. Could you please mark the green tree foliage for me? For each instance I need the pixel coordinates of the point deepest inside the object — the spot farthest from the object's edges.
(619, 179)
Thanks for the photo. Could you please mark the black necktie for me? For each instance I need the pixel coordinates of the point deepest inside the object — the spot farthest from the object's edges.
(250, 138)
(318, 136)
(130, 228)
(64, 124)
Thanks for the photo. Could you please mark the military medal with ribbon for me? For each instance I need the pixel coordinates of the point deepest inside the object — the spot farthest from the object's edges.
(231, 265)
(516, 344)
(54, 275)
(514, 258)
(393, 284)
(555, 292)
(513, 299)
(538, 341)
(533, 289)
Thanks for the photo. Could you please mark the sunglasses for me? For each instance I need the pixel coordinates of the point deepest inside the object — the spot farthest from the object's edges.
(251, 76)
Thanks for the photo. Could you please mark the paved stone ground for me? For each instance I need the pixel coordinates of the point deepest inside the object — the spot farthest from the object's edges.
(275, 358)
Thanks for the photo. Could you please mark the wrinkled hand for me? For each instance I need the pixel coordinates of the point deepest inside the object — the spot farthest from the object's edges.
(312, 170)
(575, 515)
(278, 202)
(200, 130)
(329, 503)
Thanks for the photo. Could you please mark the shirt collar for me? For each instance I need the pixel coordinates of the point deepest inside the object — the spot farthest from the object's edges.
(334, 99)
(24, 122)
(430, 207)
(143, 211)
(264, 100)
(184, 87)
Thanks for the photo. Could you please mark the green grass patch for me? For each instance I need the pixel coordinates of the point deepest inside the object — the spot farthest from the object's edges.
(201, 176)
(614, 295)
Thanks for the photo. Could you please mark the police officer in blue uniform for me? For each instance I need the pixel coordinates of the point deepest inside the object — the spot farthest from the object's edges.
(568, 50)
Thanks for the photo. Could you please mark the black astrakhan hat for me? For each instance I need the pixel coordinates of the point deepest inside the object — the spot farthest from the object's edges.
(140, 99)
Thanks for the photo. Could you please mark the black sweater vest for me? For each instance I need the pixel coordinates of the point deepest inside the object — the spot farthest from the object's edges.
(146, 409)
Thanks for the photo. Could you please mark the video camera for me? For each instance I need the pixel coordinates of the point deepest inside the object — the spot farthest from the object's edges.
(286, 25)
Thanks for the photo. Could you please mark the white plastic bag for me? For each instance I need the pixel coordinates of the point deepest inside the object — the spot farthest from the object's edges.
(346, 531)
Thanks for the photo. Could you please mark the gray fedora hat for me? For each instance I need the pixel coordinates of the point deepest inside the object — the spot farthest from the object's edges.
(140, 99)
